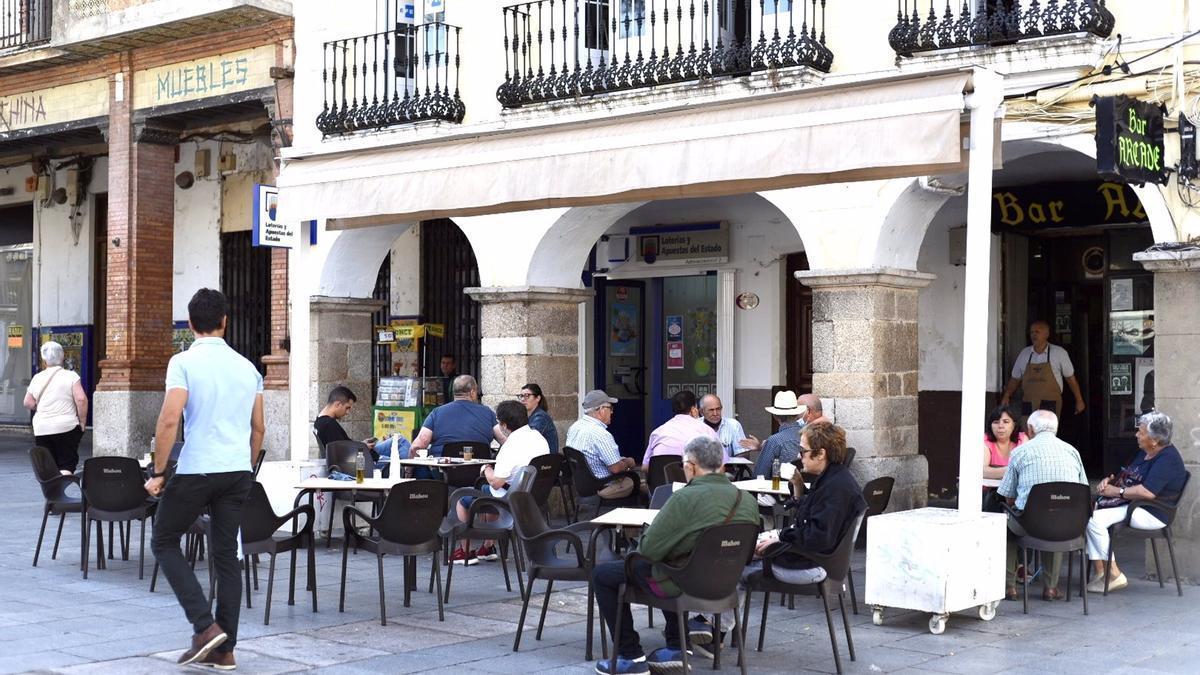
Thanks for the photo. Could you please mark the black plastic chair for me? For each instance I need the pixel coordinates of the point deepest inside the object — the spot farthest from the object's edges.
(464, 476)
(566, 489)
(259, 524)
(500, 530)
(54, 491)
(661, 494)
(258, 462)
(343, 455)
(114, 491)
(1168, 507)
(544, 561)
(1055, 520)
(587, 485)
(656, 473)
(837, 570)
(674, 473)
(708, 583)
(406, 526)
(878, 494)
(549, 468)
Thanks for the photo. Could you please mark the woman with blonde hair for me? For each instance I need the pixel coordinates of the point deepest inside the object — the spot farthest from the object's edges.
(59, 406)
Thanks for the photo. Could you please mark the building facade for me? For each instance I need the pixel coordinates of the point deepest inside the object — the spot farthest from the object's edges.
(133, 136)
(868, 203)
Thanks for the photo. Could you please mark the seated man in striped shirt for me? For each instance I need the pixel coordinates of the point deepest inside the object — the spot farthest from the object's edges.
(590, 436)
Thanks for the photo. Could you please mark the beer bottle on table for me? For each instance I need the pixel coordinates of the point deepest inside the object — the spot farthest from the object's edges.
(775, 474)
(360, 468)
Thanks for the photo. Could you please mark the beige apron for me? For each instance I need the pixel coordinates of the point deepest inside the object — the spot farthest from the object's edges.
(1039, 387)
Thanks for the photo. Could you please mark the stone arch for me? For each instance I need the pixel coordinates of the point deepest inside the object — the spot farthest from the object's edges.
(559, 241)
(914, 207)
(351, 261)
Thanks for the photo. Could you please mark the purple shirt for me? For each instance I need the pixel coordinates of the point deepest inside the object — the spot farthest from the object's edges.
(674, 434)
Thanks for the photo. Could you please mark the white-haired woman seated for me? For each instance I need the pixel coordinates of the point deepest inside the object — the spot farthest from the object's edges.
(1156, 472)
(59, 406)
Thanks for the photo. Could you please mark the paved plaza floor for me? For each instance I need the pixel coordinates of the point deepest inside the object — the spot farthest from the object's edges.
(52, 620)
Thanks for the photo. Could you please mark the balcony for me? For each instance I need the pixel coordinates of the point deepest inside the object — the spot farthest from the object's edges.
(993, 22)
(24, 23)
(563, 49)
(391, 78)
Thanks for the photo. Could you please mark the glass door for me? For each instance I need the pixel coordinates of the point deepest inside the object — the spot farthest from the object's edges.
(16, 309)
(621, 359)
(1129, 388)
(687, 355)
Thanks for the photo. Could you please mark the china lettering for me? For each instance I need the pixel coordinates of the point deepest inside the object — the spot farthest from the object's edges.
(200, 78)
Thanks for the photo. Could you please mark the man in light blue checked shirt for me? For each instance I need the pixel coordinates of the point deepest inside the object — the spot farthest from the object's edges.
(590, 436)
(729, 431)
(1043, 459)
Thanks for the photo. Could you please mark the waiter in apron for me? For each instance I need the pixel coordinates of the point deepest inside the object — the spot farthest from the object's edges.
(1040, 371)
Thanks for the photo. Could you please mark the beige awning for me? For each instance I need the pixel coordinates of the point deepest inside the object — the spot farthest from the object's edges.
(884, 129)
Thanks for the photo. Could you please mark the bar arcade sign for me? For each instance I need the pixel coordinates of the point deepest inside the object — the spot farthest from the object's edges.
(1129, 140)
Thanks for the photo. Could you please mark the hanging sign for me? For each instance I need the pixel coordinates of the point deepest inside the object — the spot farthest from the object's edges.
(690, 243)
(1129, 140)
(268, 231)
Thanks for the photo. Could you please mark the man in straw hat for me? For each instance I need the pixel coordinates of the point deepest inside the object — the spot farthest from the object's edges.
(793, 413)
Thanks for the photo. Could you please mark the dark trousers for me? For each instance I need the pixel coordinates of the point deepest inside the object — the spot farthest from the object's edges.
(185, 498)
(63, 447)
(607, 580)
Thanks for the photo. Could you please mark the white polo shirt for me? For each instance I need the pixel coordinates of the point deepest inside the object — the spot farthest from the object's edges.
(222, 386)
(519, 449)
(1060, 362)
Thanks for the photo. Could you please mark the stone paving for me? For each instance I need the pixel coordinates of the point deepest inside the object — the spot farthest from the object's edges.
(53, 621)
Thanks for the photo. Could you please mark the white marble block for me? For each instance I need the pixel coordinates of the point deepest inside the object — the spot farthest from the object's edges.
(935, 560)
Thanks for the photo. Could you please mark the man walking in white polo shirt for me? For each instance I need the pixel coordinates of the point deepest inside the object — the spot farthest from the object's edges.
(219, 394)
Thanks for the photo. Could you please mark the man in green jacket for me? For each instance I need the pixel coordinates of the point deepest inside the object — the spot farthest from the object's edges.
(709, 499)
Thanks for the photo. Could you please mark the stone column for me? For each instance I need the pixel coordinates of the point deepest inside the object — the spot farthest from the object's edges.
(140, 250)
(531, 334)
(1177, 387)
(340, 354)
(865, 370)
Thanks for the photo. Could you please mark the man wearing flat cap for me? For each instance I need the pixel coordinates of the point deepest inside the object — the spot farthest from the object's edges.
(590, 436)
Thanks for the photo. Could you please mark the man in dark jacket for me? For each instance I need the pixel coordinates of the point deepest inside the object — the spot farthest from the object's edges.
(821, 516)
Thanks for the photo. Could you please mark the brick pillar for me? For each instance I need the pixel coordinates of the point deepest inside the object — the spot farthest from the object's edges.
(276, 400)
(865, 367)
(531, 334)
(341, 340)
(140, 273)
(1177, 388)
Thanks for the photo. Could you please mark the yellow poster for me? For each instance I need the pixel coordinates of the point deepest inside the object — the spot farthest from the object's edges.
(389, 421)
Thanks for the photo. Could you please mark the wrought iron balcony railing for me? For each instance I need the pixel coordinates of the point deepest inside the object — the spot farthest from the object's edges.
(921, 28)
(391, 78)
(561, 49)
(25, 22)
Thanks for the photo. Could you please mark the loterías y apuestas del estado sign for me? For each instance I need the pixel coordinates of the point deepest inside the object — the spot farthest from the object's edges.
(1129, 140)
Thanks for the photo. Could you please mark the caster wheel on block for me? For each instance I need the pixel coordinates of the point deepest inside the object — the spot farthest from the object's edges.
(877, 616)
(987, 612)
(937, 624)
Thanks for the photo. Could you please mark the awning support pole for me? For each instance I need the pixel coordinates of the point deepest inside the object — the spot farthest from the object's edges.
(983, 103)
